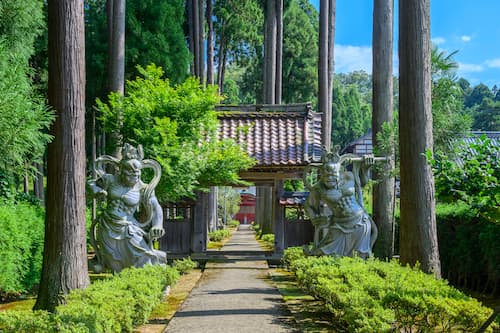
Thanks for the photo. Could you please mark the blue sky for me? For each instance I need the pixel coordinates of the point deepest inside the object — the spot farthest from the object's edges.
(470, 27)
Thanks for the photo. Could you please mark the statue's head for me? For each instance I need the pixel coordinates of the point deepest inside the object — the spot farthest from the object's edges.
(331, 168)
(131, 165)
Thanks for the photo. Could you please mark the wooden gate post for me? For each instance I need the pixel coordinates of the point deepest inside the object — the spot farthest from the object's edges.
(279, 218)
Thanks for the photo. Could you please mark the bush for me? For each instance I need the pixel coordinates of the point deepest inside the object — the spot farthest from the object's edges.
(218, 235)
(21, 247)
(233, 223)
(113, 305)
(292, 254)
(269, 238)
(376, 296)
(184, 265)
(468, 247)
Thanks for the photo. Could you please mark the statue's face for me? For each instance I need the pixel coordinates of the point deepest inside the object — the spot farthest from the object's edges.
(330, 174)
(130, 172)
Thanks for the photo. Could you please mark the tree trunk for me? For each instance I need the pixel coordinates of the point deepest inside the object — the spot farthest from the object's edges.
(65, 257)
(201, 37)
(195, 17)
(279, 52)
(418, 236)
(323, 75)
(331, 63)
(38, 188)
(270, 32)
(220, 62)
(210, 43)
(116, 31)
(383, 188)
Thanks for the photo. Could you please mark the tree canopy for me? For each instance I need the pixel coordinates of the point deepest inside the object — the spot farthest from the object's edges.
(24, 116)
(176, 124)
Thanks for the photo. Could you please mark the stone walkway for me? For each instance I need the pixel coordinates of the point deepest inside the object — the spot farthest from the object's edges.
(234, 295)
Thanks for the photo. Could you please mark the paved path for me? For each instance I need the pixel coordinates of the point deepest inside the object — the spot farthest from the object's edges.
(233, 296)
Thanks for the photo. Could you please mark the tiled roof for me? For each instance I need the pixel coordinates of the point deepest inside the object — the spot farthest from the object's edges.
(275, 135)
(293, 198)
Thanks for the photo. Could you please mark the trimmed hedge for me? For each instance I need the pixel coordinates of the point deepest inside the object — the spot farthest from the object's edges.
(218, 235)
(376, 296)
(21, 247)
(469, 248)
(112, 305)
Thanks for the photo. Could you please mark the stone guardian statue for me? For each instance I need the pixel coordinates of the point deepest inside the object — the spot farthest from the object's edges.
(335, 207)
(130, 217)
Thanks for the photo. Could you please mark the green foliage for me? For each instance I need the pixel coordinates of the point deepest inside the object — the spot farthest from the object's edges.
(268, 238)
(300, 52)
(351, 114)
(154, 30)
(176, 126)
(228, 202)
(468, 248)
(21, 247)
(218, 235)
(96, 46)
(291, 255)
(471, 176)
(233, 223)
(300, 55)
(185, 265)
(376, 296)
(449, 119)
(487, 115)
(113, 305)
(23, 116)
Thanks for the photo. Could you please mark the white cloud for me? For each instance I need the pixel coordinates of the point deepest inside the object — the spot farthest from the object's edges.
(466, 38)
(349, 58)
(438, 40)
(470, 68)
(493, 63)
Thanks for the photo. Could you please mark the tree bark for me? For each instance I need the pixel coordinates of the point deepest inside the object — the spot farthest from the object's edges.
(418, 236)
(270, 33)
(323, 75)
(116, 32)
(383, 188)
(201, 37)
(210, 43)
(331, 62)
(38, 182)
(196, 28)
(279, 52)
(65, 257)
(220, 61)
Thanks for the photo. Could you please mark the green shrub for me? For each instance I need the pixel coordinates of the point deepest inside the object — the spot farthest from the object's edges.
(468, 247)
(233, 223)
(185, 265)
(116, 304)
(36, 322)
(269, 238)
(21, 246)
(376, 296)
(292, 254)
(218, 235)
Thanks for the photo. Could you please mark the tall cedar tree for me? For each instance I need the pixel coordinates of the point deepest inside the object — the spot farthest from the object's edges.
(65, 256)
(383, 189)
(418, 235)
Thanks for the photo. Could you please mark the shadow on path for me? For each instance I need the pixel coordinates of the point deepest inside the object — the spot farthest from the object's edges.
(234, 296)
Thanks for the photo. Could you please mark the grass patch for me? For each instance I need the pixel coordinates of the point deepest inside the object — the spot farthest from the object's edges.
(25, 304)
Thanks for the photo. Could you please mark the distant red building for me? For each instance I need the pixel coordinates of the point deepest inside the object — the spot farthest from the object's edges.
(246, 214)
